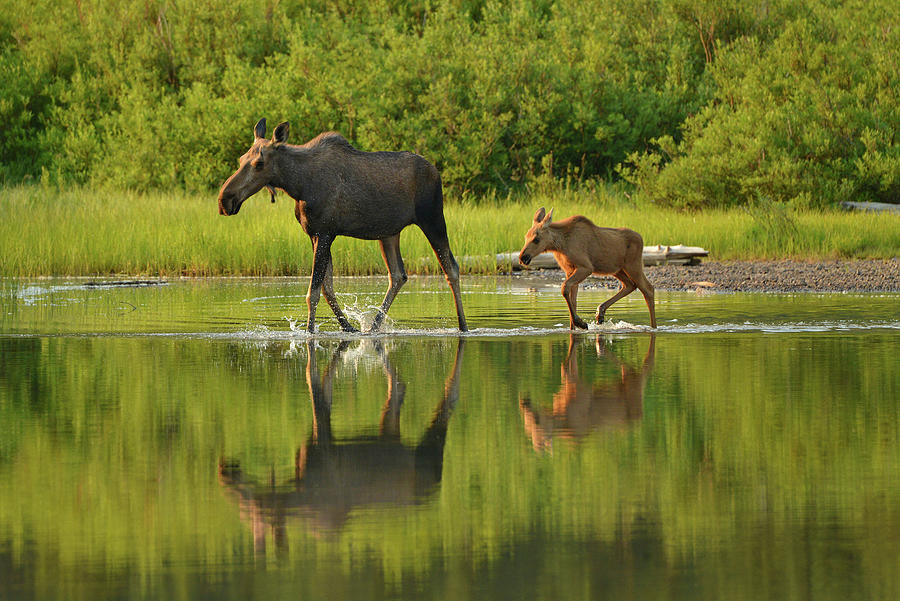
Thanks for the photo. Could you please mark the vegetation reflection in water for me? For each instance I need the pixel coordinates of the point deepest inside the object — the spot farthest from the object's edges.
(719, 465)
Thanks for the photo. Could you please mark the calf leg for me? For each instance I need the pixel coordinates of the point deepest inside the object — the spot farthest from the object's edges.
(390, 250)
(627, 288)
(570, 293)
(649, 294)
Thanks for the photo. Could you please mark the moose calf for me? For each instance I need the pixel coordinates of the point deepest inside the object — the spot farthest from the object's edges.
(581, 248)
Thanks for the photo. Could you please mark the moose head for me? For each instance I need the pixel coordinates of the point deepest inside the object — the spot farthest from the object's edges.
(538, 238)
(256, 169)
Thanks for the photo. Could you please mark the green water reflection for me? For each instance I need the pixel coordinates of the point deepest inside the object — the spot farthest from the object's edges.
(724, 464)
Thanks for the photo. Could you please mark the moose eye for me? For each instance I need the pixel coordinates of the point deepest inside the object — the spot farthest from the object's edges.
(258, 165)
(536, 240)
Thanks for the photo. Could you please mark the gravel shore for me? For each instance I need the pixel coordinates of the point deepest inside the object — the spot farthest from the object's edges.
(761, 276)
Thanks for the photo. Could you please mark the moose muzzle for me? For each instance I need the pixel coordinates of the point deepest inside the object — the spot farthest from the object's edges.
(228, 204)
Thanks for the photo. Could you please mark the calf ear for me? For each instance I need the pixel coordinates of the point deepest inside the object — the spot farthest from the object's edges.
(280, 135)
(260, 130)
(549, 217)
(539, 216)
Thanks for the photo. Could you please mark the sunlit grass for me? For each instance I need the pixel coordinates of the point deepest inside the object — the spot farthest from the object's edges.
(89, 232)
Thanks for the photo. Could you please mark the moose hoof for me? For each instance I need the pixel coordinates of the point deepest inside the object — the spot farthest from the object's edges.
(600, 317)
(579, 323)
(347, 328)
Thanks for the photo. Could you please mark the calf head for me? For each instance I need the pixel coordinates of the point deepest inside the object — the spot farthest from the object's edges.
(537, 239)
(255, 169)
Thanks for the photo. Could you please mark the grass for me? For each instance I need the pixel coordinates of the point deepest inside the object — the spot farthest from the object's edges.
(44, 231)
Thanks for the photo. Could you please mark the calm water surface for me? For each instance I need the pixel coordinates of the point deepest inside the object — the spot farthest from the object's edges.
(189, 441)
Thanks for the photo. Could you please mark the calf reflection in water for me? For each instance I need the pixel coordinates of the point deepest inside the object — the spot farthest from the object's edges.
(335, 476)
(580, 407)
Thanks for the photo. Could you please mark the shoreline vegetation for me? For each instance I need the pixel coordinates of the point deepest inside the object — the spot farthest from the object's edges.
(694, 104)
(740, 127)
(45, 231)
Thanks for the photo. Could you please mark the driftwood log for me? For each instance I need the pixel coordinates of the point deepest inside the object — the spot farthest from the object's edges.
(871, 207)
(653, 255)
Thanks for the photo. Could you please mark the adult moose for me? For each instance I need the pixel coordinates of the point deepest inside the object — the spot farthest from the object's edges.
(342, 191)
(581, 248)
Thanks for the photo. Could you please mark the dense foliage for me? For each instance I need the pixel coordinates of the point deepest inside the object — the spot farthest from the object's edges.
(699, 102)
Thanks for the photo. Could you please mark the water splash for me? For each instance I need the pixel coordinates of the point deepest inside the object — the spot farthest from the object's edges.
(297, 333)
(617, 327)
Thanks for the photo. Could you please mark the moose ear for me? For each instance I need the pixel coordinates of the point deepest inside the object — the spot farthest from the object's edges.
(260, 130)
(549, 217)
(280, 135)
(539, 216)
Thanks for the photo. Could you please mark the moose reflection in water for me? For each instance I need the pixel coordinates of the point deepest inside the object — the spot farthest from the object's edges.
(335, 476)
(580, 407)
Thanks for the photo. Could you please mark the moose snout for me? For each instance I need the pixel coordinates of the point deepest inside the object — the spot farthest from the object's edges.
(227, 205)
(524, 258)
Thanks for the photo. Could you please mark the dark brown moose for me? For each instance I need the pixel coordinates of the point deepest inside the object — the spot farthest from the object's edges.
(342, 191)
(335, 476)
(580, 407)
(581, 248)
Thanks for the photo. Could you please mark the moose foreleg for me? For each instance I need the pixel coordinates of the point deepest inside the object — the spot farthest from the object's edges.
(328, 291)
(321, 262)
(570, 293)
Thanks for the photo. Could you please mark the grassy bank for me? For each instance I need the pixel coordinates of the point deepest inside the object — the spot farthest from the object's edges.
(44, 231)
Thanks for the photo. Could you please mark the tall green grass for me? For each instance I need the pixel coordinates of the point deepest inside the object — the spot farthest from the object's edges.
(45, 231)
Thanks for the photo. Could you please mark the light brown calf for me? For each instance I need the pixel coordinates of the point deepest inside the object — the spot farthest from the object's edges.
(581, 248)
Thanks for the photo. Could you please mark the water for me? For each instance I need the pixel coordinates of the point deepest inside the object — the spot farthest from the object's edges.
(190, 441)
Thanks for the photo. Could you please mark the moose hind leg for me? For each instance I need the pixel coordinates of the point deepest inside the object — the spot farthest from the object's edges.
(390, 250)
(647, 290)
(437, 237)
(628, 286)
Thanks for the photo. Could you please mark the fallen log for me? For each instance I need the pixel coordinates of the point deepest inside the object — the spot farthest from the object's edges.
(678, 254)
(653, 255)
(871, 207)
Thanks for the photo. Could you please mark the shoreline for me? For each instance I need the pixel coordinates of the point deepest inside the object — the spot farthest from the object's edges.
(783, 275)
(866, 275)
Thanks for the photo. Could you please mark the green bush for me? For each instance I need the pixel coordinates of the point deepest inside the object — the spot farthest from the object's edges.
(809, 118)
(159, 94)
(698, 103)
